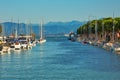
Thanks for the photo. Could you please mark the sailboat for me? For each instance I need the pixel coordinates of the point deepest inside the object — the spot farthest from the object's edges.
(17, 44)
(42, 40)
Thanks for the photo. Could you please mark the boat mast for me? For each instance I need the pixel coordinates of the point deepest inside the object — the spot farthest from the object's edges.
(3, 31)
(27, 33)
(16, 30)
(31, 30)
(41, 30)
(21, 30)
(11, 26)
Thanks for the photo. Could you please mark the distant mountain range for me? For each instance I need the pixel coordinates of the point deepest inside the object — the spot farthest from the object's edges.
(49, 28)
(62, 27)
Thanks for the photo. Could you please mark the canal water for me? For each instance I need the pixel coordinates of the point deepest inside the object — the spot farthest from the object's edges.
(60, 59)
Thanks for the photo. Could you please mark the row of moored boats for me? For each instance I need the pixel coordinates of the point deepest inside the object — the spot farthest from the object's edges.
(110, 46)
(20, 44)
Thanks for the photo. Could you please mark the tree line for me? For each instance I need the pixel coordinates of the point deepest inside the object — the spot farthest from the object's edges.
(106, 23)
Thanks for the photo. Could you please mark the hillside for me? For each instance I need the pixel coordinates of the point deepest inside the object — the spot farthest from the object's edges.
(49, 28)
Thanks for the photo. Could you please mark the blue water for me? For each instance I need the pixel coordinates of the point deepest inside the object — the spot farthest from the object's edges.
(60, 59)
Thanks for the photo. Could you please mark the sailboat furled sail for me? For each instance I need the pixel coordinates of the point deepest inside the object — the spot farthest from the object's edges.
(42, 40)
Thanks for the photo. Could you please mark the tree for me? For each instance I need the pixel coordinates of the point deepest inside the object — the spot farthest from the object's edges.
(108, 25)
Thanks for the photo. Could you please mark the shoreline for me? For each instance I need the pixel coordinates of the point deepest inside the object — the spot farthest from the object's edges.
(112, 46)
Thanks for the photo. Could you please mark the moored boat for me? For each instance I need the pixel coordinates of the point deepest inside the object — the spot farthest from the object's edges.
(42, 40)
(17, 46)
(116, 47)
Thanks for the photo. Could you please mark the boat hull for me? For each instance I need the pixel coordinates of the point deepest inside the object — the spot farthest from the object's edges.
(42, 41)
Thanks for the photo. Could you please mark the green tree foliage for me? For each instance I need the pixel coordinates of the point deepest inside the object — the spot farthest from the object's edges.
(108, 25)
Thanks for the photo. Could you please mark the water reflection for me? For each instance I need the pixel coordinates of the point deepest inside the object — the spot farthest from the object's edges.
(56, 60)
(41, 50)
(1, 58)
(118, 53)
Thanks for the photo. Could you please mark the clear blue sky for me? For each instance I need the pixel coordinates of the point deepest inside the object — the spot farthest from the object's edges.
(56, 10)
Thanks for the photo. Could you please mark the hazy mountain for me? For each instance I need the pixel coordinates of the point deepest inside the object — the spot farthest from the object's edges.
(49, 28)
(9, 27)
(62, 27)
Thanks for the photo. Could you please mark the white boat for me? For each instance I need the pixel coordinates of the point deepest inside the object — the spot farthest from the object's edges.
(108, 46)
(29, 46)
(17, 46)
(34, 43)
(5, 49)
(23, 44)
(42, 40)
(12, 47)
(116, 48)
